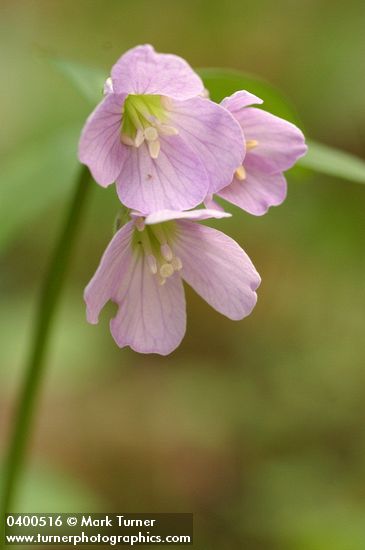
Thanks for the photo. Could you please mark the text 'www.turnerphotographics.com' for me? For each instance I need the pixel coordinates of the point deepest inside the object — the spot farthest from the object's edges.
(98, 529)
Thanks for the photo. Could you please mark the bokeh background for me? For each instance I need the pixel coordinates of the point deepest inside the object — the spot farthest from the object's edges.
(258, 426)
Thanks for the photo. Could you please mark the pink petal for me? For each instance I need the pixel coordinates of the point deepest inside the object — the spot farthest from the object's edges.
(111, 274)
(100, 147)
(217, 268)
(141, 70)
(280, 143)
(201, 214)
(176, 179)
(257, 192)
(210, 203)
(151, 318)
(213, 133)
(238, 100)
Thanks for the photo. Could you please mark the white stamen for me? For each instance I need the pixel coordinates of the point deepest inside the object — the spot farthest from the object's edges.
(124, 138)
(166, 130)
(154, 148)
(139, 139)
(166, 270)
(251, 144)
(161, 264)
(108, 86)
(152, 264)
(166, 252)
(240, 173)
(176, 263)
(150, 133)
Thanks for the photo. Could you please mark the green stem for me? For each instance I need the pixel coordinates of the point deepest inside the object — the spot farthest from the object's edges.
(35, 366)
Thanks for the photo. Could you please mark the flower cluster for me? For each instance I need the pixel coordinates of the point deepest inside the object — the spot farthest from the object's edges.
(169, 148)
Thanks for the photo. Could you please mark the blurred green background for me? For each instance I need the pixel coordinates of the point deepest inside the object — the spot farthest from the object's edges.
(258, 426)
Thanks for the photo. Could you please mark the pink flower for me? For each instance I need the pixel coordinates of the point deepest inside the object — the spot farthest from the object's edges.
(142, 271)
(154, 134)
(273, 145)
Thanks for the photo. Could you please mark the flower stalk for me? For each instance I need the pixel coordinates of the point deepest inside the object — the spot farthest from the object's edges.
(35, 366)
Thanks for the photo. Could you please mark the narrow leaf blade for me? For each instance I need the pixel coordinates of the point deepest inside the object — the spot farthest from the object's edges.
(224, 82)
(89, 81)
(333, 162)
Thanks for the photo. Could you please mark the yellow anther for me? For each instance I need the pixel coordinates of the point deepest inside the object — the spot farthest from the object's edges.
(251, 144)
(240, 173)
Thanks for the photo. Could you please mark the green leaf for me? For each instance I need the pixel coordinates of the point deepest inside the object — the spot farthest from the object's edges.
(33, 178)
(89, 81)
(224, 82)
(333, 162)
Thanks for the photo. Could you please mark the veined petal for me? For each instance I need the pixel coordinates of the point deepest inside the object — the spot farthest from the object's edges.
(100, 147)
(213, 133)
(151, 317)
(238, 100)
(200, 214)
(210, 203)
(141, 70)
(257, 192)
(217, 268)
(111, 274)
(176, 179)
(279, 143)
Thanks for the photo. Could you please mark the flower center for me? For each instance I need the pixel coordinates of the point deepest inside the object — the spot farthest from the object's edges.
(144, 120)
(155, 241)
